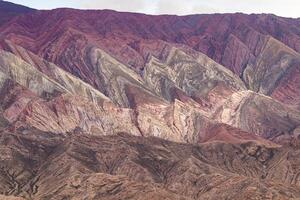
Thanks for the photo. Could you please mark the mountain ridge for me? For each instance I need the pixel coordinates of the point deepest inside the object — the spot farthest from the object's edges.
(234, 50)
(101, 104)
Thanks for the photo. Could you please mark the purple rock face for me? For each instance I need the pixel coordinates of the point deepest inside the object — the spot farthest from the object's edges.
(9, 10)
(235, 41)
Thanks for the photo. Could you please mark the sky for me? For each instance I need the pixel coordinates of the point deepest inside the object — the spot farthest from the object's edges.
(285, 8)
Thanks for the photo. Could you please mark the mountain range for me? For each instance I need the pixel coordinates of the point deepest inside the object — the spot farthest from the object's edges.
(100, 104)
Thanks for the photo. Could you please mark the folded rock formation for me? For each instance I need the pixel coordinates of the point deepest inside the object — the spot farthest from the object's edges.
(99, 104)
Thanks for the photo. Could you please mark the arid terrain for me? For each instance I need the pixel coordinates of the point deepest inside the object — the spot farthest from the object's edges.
(99, 104)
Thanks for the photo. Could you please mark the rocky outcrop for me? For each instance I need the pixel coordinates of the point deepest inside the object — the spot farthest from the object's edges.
(108, 105)
(237, 41)
(110, 167)
(200, 93)
(275, 72)
(261, 115)
(200, 78)
(31, 69)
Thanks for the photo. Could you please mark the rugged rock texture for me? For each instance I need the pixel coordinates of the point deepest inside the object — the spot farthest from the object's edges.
(201, 78)
(275, 72)
(43, 77)
(79, 166)
(179, 121)
(182, 121)
(261, 115)
(94, 101)
(10, 198)
(67, 38)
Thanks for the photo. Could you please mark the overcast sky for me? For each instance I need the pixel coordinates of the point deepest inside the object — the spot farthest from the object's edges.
(287, 8)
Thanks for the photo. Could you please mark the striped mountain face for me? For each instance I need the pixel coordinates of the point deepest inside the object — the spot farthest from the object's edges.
(99, 104)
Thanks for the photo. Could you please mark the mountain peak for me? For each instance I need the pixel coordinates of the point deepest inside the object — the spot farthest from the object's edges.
(12, 7)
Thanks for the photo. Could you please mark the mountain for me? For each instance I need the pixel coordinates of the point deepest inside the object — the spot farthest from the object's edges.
(10, 10)
(66, 37)
(99, 104)
(124, 166)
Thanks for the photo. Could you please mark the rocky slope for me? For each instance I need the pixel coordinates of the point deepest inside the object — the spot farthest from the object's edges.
(59, 102)
(122, 166)
(67, 38)
(10, 10)
(94, 102)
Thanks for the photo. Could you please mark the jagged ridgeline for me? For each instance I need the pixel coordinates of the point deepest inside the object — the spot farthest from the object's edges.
(99, 104)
